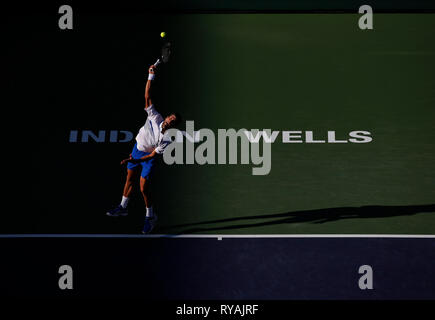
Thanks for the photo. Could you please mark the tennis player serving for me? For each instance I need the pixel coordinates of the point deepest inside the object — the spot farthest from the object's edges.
(151, 141)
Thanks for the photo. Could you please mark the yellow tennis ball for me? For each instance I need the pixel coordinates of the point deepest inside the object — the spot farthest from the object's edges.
(163, 34)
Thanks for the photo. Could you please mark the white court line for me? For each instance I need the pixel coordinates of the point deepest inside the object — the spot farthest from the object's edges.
(219, 236)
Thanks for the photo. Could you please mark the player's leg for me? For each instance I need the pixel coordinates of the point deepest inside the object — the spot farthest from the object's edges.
(145, 188)
(146, 193)
(133, 170)
(150, 216)
(131, 178)
(121, 209)
(132, 175)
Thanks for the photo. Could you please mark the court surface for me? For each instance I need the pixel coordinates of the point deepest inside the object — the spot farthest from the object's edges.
(314, 72)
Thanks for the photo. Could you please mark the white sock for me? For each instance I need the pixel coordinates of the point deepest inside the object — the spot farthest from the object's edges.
(150, 212)
(124, 202)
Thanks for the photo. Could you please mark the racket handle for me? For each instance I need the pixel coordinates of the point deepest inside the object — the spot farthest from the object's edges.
(157, 62)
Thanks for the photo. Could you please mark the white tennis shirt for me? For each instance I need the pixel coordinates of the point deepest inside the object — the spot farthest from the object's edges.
(150, 135)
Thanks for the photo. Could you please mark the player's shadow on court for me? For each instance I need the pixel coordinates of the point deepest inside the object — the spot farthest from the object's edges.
(317, 216)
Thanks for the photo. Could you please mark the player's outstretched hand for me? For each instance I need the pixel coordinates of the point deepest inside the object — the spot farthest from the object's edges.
(152, 69)
(127, 160)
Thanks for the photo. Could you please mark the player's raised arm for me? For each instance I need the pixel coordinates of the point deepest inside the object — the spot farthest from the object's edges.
(148, 87)
(148, 91)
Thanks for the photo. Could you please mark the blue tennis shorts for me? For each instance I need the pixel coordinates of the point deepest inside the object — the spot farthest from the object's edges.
(147, 166)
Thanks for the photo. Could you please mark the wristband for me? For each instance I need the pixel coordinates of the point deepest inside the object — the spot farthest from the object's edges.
(151, 76)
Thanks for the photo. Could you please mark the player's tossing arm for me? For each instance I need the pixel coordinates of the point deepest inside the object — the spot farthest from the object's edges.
(144, 158)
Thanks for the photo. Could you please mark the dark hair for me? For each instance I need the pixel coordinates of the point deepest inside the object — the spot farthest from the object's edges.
(178, 118)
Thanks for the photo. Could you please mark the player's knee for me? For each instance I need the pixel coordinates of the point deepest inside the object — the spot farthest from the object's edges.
(129, 180)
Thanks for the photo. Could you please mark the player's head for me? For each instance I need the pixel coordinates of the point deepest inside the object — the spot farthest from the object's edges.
(171, 121)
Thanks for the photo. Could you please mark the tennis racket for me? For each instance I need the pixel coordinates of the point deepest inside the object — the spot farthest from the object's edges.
(165, 54)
